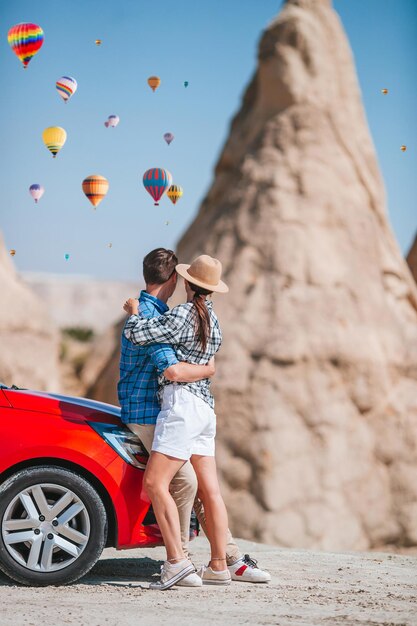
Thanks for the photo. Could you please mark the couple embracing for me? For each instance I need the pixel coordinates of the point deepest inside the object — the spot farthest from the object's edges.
(167, 361)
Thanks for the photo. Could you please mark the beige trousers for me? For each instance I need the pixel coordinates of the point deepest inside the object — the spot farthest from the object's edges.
(183, 489)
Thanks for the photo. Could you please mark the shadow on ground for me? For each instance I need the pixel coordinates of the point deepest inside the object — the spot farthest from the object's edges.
(118, 572)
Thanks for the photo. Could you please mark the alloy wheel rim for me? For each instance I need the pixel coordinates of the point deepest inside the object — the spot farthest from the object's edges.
(46, 527)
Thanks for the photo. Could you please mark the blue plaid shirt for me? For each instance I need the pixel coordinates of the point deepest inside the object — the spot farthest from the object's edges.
(139, 370)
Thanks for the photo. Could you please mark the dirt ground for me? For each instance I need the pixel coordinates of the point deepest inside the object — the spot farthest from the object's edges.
(307, 589)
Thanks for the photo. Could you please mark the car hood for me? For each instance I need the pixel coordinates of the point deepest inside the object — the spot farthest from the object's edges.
(66, 406)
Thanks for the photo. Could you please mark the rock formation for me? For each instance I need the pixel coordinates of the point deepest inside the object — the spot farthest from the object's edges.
(412, 259)
(101, 371)
(81, 300)
(27, 334)
(316, 388)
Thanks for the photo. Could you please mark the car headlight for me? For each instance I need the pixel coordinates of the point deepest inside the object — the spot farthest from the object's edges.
(125, 443)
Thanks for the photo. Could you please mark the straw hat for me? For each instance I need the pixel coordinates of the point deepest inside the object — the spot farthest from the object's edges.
(204, 272)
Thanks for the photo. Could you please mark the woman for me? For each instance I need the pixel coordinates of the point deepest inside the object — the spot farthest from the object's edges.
(186, 426)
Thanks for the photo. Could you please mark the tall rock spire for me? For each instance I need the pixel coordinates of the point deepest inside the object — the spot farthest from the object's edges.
(317, 379)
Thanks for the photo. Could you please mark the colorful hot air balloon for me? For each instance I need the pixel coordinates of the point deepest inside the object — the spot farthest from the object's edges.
(186, 83)
(169, 137)
(154, 82)
(95, 188)
(54, 138)
(12, 252)
(36, 191)
(113, 120)
(174, 193)
(25, 40)
(66, 87)
(106, 124)
(67, 256)
(156, 181)
(98, 42)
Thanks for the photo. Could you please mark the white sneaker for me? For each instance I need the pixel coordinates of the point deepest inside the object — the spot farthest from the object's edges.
(214, 577)
(172, 573)
(246, 570)
(192, 580)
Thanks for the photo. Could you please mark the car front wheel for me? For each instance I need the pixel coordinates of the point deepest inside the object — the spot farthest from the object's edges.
(53, 526)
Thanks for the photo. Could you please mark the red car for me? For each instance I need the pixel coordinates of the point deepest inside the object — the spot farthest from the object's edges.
(70, 485)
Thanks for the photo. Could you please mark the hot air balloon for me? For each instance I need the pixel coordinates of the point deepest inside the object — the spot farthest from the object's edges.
(186, 83)
(67, 256)
(95, 188)
(66, 87)
(54, 138)
(156, 181)
(25, 40)
(169, 137)
(106, 124)
(113, 120)
(36, 191)
(154, 82)
(12, 252)
(174, 193)
(98, 42)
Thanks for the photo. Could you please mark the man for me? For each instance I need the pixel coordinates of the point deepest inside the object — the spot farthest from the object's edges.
(138, 388)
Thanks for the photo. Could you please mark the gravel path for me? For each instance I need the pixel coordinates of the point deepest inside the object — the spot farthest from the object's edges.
(308, 589)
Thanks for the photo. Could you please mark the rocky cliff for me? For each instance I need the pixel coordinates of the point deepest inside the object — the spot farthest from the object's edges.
(317, 379)
(27, 334)
(412, 259)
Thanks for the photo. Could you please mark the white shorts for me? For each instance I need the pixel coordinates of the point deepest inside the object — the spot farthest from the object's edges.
(185, 426)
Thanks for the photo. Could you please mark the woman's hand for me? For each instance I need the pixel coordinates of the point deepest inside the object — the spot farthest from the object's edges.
(131, 306)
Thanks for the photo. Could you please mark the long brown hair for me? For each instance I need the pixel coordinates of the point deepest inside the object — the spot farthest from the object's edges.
(203, 316)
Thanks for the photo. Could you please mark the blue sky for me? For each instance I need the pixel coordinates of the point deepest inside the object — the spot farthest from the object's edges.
(213, 45)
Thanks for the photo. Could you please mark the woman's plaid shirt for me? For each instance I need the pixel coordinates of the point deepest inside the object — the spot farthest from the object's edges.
(178, 328)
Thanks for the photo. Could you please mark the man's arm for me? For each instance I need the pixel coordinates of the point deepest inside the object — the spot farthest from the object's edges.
(165, 328)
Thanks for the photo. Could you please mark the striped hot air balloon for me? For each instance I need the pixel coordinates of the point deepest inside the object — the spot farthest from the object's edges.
(25, 40)
(156, 181)
(95, 188)
(54, 138)
(174, 193)
(66, 87)
(36, 191)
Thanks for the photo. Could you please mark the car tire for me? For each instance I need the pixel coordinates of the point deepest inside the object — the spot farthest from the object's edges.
(85, 497)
